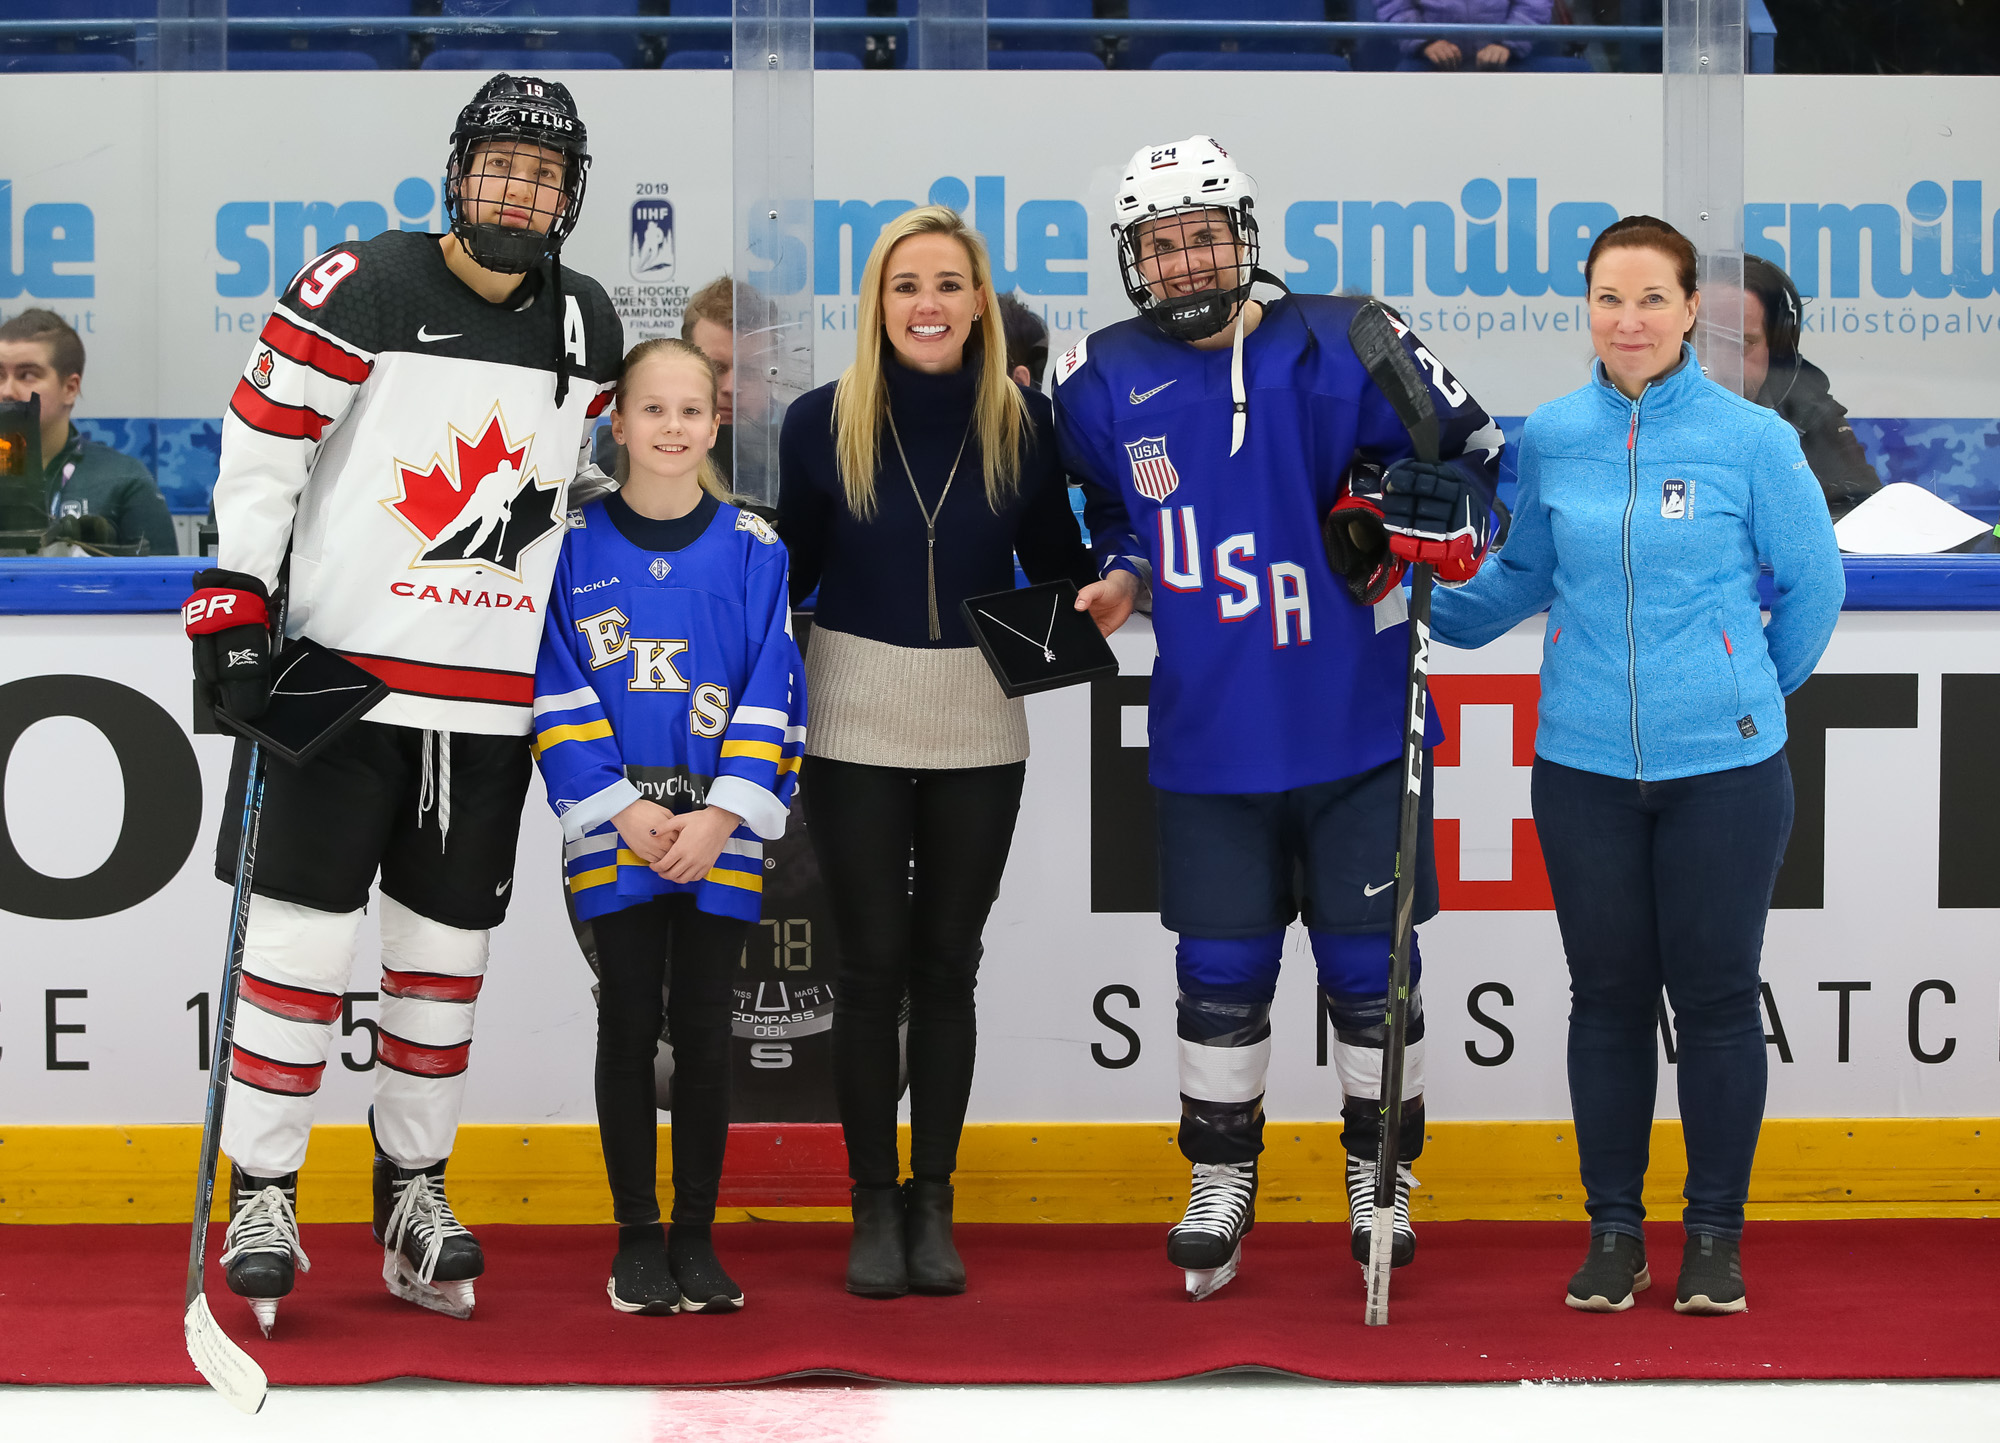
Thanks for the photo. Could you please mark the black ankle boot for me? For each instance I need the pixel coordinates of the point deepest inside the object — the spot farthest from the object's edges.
(875, 1260)
(935, 1266)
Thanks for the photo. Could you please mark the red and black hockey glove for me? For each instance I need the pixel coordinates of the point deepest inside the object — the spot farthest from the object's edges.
(1434, 513)
(229, 622)
(1356, 545)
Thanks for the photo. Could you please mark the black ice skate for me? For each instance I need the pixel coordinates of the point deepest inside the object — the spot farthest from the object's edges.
(1361, 1211)
(261, 1255)
(429, 1258)
(1208, 1240)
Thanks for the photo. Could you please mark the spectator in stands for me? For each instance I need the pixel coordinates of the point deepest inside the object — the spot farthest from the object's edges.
(40, 354)
(1776, 376)
(1027, 342)
(1442, 54)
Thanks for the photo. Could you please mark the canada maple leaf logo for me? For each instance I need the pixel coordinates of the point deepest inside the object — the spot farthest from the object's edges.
(477, 508)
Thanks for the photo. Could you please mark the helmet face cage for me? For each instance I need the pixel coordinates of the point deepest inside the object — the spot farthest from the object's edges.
(1176, 246)
(500, 151)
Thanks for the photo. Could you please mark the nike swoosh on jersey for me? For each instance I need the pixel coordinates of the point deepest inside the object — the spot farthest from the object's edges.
(424, 335)
(1136, 396)
(1368, 891)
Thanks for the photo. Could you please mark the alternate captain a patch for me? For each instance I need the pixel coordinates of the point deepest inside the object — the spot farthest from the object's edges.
(1153, 474)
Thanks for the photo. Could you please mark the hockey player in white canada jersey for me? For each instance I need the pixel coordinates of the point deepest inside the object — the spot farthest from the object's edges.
(397, 456)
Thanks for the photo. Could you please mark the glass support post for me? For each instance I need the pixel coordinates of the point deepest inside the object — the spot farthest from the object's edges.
(193, 35)
(951, 34)
(772, 250)
(1703, 153)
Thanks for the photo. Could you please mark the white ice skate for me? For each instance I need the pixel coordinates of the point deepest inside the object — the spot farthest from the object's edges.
(1208, 1240)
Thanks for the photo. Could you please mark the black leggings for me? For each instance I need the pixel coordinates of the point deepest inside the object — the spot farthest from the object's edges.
(913, 929)
(636, 949)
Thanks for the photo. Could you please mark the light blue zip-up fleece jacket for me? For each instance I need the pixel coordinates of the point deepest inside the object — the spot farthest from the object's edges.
(1640, 525)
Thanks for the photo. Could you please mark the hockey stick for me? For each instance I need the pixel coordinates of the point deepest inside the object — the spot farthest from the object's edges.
(1379, 346)
(229, 1370)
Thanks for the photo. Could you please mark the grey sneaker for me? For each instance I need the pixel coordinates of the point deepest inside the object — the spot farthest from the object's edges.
(1612, 1272)
(1711, 1277)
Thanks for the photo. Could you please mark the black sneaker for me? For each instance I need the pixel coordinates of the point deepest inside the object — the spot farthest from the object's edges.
(705, 1287)
(1612, 1272)
(1711, 1277)
(642, 1280)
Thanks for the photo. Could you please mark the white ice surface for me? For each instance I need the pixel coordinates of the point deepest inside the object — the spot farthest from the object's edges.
(1246, 1406)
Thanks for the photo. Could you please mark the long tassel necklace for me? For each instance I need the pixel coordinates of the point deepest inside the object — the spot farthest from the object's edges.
(931, 514)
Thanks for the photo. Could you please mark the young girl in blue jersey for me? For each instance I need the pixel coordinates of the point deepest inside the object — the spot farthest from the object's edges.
(669, 718)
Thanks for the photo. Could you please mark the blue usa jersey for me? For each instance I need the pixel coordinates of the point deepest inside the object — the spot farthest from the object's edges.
(669, 675)
(1270, 676)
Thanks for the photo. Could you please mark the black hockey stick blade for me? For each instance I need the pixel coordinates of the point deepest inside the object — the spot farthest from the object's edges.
(1377, 338)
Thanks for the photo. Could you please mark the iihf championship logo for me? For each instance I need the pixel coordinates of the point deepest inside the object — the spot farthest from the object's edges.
(260, 374)
(650, 253)
(1153, 474)
(479, 509)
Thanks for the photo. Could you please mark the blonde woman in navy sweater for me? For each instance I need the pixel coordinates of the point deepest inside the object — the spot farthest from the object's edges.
(906, 486)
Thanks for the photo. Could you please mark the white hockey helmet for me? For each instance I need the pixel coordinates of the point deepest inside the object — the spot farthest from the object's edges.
(1185, 178)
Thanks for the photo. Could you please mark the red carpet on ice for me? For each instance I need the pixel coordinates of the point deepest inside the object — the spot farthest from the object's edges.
(1048, 1304)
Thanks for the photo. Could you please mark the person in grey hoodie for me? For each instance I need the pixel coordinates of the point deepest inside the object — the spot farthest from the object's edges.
(1486, 53)
(1648, 500)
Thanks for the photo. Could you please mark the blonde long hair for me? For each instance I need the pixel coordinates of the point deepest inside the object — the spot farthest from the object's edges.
(709, 477)
(861, 396)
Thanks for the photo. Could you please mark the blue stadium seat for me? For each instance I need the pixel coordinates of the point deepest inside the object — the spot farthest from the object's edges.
(84, 49)
(301, 60)
(620, 44)
(1043, 60)
(1246, 60)
(518, 61)
(52, 63)
(259, 49)
(1145, 49)
(1040, 41)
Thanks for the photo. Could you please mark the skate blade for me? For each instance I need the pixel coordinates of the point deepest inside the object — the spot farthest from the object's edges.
(1203, 1281)
(454, 1300)
(266, 1310)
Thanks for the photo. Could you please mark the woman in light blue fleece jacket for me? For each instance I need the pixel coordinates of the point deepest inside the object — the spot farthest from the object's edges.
(1648, 500)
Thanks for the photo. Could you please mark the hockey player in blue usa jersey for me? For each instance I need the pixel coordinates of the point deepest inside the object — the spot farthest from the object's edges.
(669, 720)
(1234, 452)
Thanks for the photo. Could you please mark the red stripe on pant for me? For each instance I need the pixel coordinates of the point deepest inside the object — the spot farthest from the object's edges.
(430, 986)
(421, 1061)
(299, 1004)
(267, 1074)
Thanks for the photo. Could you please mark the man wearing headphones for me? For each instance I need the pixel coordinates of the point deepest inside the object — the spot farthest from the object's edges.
(1776, 376)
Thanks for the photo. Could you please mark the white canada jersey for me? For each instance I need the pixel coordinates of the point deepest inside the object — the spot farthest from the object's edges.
(402, 434)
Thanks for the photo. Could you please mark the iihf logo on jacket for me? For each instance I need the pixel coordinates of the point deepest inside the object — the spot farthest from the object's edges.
(1153, 474)
(481, 510)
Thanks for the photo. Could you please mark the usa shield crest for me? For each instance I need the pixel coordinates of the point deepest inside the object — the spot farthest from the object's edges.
(1153, 474)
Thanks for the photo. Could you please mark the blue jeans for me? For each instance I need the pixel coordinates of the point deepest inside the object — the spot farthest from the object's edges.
(1665, 883)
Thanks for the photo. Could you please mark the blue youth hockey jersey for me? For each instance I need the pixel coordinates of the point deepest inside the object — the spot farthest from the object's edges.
(1270, 676)
(668, 672)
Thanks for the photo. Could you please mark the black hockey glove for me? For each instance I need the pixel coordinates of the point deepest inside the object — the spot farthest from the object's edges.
(1434, 513)
(229, 623)
(1356, 545)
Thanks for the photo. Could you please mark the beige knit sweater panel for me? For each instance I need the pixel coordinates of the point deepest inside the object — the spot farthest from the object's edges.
(926, 708)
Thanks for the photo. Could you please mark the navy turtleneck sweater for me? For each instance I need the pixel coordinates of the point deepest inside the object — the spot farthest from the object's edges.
(871, 574)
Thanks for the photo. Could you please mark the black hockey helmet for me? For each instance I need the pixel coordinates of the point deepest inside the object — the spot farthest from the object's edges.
(525, 110)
